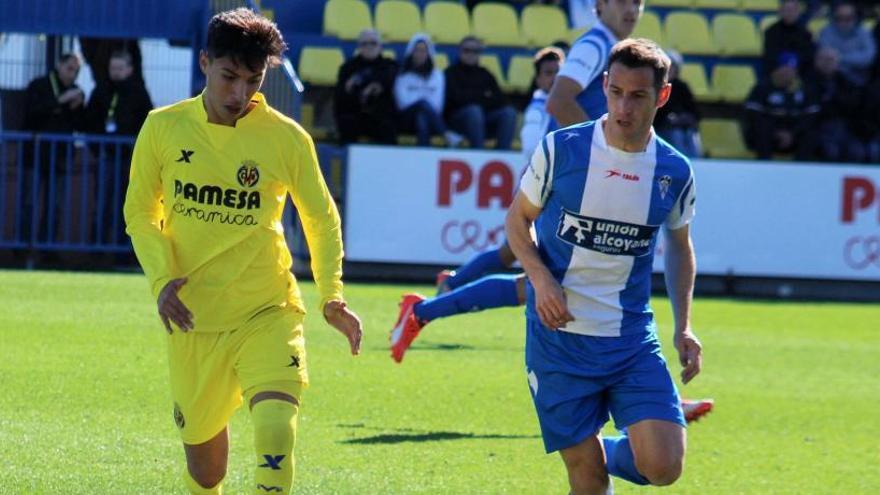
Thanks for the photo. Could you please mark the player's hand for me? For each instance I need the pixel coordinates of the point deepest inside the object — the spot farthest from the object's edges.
(172, 309)
(347, 322)
(690, 354)
(550, 302)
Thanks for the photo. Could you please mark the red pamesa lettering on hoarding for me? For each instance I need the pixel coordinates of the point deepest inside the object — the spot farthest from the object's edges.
(859, 194)
(495, 181)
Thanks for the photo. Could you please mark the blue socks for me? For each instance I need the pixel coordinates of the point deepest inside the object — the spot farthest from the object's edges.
(486, 262)
(620, 461)
(494, 291)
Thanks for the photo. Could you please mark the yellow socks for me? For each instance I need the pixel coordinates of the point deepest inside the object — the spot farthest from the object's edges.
(197, 489)
(274, 437)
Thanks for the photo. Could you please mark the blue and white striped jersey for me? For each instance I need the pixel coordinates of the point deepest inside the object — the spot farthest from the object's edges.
(585, 63)
(601, 211)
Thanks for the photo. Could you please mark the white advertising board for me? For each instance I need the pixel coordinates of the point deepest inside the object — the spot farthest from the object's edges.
(763, 219)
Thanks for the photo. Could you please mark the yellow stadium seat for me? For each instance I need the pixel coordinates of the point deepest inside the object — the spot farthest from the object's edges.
(649, 27)
(735, 35)
(672, 3)
(575, 33)
(722, 138)
(398, 20)
(345, 19)
(816, 25)
(717, 4)
(732, 83)
(320, 65)
(497, 24)
(761, 5)
(447, 22)
(767, 21)
(441, 60)
(520, 73)
(389, 53)
(688, 32)
(543, 25)
(694, 74)
(492, 64)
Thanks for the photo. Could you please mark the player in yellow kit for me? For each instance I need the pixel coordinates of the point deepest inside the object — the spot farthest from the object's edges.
(209, 179)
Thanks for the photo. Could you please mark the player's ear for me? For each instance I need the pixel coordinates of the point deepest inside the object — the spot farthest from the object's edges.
(663, 94)
(203, 61)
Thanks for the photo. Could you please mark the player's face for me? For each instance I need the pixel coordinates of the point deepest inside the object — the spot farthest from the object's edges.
(546, 74)
(620, 16)
(632, 101)
(230, 87)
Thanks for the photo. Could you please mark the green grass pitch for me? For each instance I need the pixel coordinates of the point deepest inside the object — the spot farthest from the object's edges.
(85, 409)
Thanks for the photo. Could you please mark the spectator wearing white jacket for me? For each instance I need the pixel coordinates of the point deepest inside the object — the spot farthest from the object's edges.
(418, 92)
(535, 120)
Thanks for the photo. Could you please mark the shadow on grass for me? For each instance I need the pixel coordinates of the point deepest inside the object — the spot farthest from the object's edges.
(405, 435)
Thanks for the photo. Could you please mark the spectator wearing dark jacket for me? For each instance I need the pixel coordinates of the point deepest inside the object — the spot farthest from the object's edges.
(54, 102)
(854, 44)
(781, 114)
(364, 99)
(120, 105)
(787, 35)
(475, 105)
(677, 120)
(840, 102)
(870, 122)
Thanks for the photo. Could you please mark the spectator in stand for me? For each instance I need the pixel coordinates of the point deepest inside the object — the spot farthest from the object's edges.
(781, 114)
(788, 35)
(876, 36)
(840, 103)
(677, 120)
(869, 124)
(364, 100)
(475, 105)
(853, 43)
(118, 107)
(419, 91)
(536, 118)
(55, 104)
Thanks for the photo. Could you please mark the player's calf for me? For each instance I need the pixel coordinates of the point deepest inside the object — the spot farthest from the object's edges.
(274, 438)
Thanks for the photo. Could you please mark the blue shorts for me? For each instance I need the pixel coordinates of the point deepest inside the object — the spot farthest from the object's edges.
(578, 380)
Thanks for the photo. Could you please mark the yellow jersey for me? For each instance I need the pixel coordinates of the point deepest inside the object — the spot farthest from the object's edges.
(205, 202)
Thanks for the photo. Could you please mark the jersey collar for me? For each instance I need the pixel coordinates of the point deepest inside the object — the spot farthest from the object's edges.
(203, 115)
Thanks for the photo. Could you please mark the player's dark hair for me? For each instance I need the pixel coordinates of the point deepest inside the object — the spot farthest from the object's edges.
(640, 52)
(246, 37)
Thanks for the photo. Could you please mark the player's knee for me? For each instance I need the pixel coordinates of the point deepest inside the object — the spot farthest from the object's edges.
(661, 472)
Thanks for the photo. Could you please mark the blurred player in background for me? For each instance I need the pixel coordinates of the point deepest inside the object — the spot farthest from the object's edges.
(209, 180)
(598, 193)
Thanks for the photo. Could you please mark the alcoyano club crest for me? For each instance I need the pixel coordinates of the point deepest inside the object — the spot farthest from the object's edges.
(248, 174)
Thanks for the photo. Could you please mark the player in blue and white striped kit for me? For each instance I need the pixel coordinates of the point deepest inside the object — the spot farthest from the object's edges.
(598, 193)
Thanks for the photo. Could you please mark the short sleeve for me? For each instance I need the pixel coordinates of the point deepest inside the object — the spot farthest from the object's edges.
(537, 180)
(583, 63)
(684, 209)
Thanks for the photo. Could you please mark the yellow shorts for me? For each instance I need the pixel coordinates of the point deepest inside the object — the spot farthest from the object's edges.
(211, 371)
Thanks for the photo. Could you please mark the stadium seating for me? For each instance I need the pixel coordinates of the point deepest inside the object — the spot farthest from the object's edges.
(717, 4)
(688, 32)
(492, 64)
(649, 27)
(672, 3)
(542, 25)
(520, 72)
(722, 138)
(816, 25)
(345, 19)
(574, 34)
(320, 65)
(761, 5)
(732, 83)
(447, 22)
(694, 74)
(735, 35)
(767, 21)
(497, 24)
(398, 20)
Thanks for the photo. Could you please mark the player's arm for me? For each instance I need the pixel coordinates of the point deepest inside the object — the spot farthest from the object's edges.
(527, 205)
(143, 220)
(680, 272)
(323, 230)
(583, 64)
(562, 103)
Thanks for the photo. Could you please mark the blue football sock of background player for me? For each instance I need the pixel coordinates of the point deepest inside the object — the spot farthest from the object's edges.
(481, 264)
(494, 291)
(620, 461)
